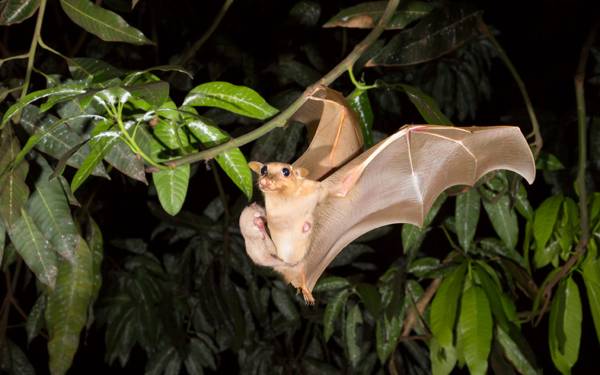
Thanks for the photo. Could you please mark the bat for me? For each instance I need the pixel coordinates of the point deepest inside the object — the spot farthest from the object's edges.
(395, 181)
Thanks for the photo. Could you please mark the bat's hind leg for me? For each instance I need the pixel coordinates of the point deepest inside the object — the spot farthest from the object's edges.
(308, 297)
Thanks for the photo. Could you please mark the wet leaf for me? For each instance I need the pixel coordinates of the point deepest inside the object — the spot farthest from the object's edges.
(545, 218)
(13, 190)
(474, 330)
(237, 99)
(233, 161)
(93, 70)
(66, 89)
(17, 11)
(332, 312)
(366, 15)
(564, 332)
(353, 319)
(360, 103)
(103, 23)
(467, 217)
(504, 220)
(171, 186)
(35, 250)
(441, 32)
(99, 145)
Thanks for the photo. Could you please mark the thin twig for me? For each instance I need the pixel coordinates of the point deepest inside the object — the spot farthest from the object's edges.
(581, 173)
(538, 141)
(422, 303)
(34, 43)
(200, 42)
(281, 119)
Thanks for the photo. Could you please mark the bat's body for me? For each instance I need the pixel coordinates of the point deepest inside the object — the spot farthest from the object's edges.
(396, 181)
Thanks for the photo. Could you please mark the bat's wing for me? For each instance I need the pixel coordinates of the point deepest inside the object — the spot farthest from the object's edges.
(397, 181)
(336, 136)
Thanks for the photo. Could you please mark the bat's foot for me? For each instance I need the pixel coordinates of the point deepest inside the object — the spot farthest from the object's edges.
(308, 297)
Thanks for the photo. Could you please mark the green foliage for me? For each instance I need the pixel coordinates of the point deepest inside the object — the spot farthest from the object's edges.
(181, 291)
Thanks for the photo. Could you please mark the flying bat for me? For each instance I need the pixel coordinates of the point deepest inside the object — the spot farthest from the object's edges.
(333, 194)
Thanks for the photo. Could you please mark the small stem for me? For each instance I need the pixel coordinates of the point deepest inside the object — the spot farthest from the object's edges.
(582, 130)
(281, 119)
(130, 140)
(359, 84)
(23, 56)
(538, 142)
(34, 43)
(200, 42)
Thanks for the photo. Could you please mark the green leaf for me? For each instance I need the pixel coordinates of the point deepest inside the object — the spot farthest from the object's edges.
(14, 360)
(423, 266)
(366, 15)
(504, 220)
(545, 219)
(330, 283)
(564, 333)
(285, 305)
(237, 99)
(51, 213)
(200, 354)
(474, 330)
(388, 330)
(332, 311)
(522, 203)
(233, 161)
(444, 306)
(513, 353)
(126, 161)
(13, 190)
(370, 297)
(353, 319)
(61, 143)
(441, 32)
(103, 23)
(99, 145)
(467, 217)
(360, 103)
(95, 241)
(546, 255)
(591, 278)
(35, 319)
(43, 131)
(35, 250)
(426, 105)
(442, 359)
(171, 186)
(17, 11)
(93, 70)
(112, 96)
(153, 93)
(133, 77)
(72, 88)
(492, 290)
(548, 162)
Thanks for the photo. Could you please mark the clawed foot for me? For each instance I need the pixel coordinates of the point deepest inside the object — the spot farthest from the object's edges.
(308, 297)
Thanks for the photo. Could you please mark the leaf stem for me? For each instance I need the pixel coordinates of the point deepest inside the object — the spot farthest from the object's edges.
(200, 42)
(22, 56)
(34, 43)
(538, 141)
(131, 141)
(281, 119)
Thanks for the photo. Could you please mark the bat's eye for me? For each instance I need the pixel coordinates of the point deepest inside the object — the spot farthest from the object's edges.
(264, 170)
(285, 172)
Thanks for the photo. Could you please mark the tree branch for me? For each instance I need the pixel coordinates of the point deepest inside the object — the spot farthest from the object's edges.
(538, 141)
(34, 43)
(581, 173)
(281, 119)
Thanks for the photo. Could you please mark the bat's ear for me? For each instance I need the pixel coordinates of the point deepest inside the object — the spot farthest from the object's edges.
(301, 172)
(255, 166)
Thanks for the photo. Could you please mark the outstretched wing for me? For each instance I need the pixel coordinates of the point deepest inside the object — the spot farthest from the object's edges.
(397, 181)
(337, 136)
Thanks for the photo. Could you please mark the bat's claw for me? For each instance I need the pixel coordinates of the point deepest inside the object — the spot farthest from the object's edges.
(308, 297)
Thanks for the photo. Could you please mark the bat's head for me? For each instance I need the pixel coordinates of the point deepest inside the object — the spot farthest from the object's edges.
(277, 177)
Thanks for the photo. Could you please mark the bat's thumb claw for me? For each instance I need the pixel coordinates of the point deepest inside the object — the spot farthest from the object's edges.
(308, 297)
